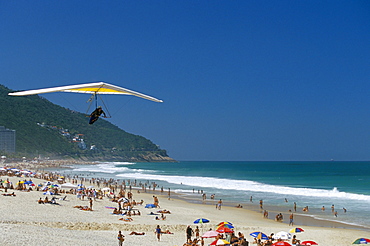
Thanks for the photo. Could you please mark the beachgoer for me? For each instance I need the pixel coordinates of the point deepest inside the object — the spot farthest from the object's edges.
(291, 219)
(197, 232)
(219, 204)
(137, 233)
(158, 232)
(295, 241)
(189, 232)
(120, 238)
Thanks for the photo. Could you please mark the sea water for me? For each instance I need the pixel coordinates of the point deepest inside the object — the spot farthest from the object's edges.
(278, 184)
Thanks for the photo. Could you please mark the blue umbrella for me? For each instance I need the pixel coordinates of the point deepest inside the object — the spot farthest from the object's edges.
(259, 235)
(201, 220)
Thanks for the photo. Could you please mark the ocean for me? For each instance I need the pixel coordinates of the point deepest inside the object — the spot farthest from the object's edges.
(278, 184)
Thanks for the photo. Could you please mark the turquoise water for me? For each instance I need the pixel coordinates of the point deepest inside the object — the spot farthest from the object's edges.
(313, 184)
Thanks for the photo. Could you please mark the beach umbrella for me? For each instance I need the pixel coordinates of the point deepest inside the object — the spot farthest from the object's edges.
(281, 243)
(296, 230)
(282, 235)
(201, 221)
(220, 242)
(259, 235)
(210, 234)
(308, 243)
(361, 241)
(226, 225)
(224, 222)
(224, 230)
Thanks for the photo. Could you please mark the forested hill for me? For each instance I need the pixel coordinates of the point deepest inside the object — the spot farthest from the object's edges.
(43, 128)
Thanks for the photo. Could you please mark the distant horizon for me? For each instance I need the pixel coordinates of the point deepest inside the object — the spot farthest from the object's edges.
(275, 160)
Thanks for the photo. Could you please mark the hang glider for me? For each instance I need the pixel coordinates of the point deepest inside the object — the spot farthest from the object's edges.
(95, 88)
(89, 88)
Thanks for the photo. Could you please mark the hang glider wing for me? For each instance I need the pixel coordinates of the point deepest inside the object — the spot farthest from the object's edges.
(89, 88)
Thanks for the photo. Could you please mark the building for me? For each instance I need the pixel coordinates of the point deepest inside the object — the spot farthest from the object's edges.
(7, 140)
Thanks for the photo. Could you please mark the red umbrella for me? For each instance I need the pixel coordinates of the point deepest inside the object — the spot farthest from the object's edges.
(224, 230)
(308, 243)
(281, 243)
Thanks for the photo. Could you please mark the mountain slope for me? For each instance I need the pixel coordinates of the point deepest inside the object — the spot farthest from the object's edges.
(43, 128)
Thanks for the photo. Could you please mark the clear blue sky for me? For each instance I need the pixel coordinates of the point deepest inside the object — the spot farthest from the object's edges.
(240, 80)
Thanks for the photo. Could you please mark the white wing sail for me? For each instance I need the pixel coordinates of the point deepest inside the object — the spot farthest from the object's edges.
(89, 88)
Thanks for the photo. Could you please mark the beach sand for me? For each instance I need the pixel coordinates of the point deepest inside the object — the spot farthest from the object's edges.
(25, 222)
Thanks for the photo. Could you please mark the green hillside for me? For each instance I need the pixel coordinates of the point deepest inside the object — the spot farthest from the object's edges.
(43, 128)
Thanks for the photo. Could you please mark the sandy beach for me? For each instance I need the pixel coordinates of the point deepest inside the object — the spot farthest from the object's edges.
(25, 222)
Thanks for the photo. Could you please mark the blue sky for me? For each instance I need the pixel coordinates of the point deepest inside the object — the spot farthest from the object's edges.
(240, 80)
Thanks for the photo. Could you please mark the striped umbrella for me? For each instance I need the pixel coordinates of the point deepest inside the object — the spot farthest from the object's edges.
(220, 242)
(259, 235)
(200, 221)
(296, 230)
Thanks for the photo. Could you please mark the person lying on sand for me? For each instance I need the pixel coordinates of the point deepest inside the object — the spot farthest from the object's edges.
(40, 201)
(53, 201)
(167, 232)
(164, 211)
(84, 208)
(9, 194)
(137, 233)
(126, 219)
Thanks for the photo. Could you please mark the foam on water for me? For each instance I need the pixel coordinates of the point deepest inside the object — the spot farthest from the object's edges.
(245, 185)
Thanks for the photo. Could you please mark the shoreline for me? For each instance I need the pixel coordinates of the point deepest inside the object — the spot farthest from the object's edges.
(300, 219)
